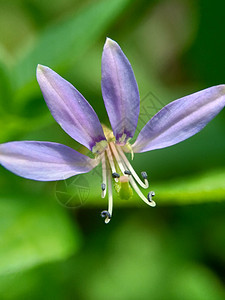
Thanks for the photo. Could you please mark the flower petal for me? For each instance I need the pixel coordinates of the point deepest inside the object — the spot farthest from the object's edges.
(44, 161)
(69, 108)
(181, 119)
(120, 91)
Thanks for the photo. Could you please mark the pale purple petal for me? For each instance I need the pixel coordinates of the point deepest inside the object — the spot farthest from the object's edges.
(69, 108)
(181, 119)
(44, 161)
(120, 91)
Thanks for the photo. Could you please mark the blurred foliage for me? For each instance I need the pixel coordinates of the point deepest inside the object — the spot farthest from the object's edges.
(146, 255)
(33, 233)
(175, 251)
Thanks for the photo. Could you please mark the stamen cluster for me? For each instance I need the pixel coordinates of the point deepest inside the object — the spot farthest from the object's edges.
(116, 167)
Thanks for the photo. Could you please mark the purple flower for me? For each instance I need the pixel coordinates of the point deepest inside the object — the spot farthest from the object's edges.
(46, 161)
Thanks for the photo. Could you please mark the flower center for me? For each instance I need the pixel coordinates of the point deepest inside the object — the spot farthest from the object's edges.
(116, 167)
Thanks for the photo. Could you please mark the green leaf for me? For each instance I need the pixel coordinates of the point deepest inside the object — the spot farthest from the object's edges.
(33, 232)
(206, 187)
(62, 43)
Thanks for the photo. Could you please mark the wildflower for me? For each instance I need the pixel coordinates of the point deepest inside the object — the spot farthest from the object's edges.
(47, 161)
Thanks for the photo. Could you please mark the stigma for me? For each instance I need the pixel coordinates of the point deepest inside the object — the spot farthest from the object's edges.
(117, 170)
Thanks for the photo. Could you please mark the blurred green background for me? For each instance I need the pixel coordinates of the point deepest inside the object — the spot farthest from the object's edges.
(53, 246)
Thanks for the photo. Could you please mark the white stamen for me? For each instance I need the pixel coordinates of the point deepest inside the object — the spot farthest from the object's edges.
(145, 184)
(118, 159)
(104, 175)
(113, 159)
(137, 190)
(110, 198)
(111, 162)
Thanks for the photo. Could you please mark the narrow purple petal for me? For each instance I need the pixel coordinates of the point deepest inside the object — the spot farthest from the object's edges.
(181, 119)
(69, 108)
(120, 91)
(44, 161)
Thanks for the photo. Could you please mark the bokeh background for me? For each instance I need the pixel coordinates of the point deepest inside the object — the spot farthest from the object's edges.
(53, 243)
